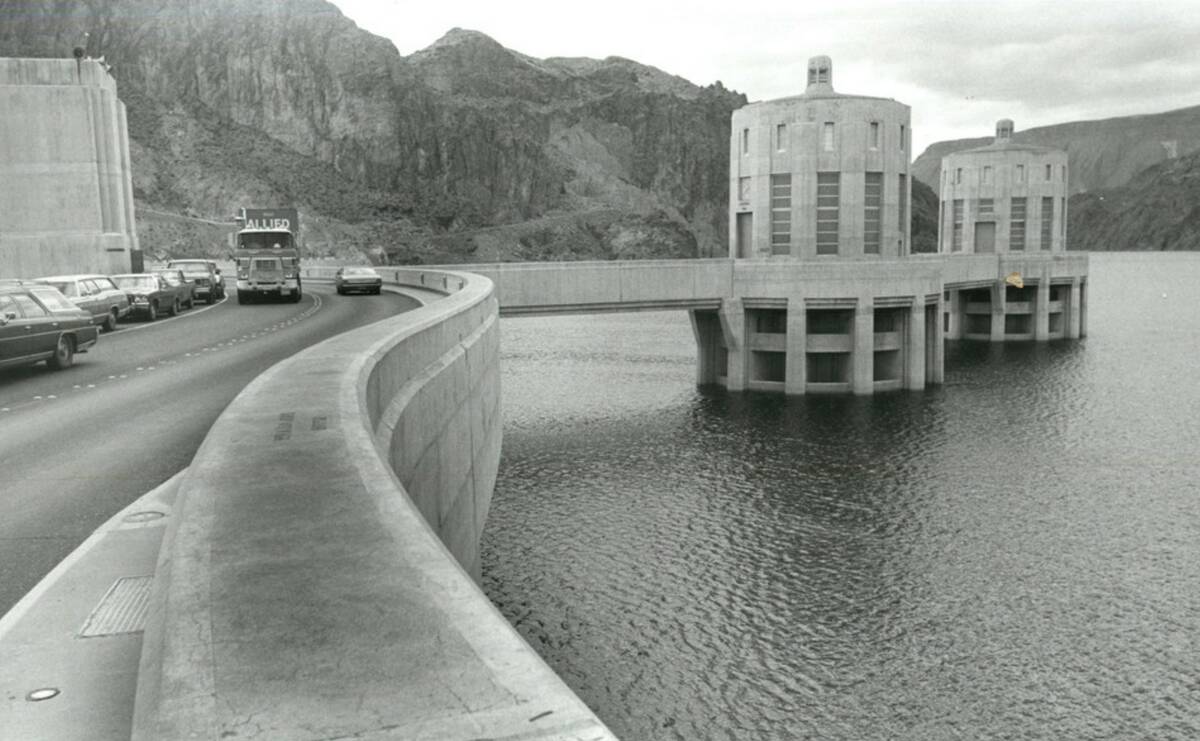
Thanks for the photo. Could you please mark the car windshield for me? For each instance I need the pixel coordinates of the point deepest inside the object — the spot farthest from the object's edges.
(171, 278)
(361, 272)
(53, 300)
(136, 281)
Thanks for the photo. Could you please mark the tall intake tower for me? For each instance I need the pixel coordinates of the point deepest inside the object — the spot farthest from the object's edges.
(821, 174)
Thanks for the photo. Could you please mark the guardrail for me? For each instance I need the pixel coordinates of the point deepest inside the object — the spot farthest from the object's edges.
(315, 581)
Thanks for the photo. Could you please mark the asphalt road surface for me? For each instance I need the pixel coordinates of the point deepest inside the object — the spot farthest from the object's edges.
(78, 445)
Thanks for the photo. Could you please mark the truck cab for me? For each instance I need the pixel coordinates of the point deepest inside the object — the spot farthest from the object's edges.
(268, 265)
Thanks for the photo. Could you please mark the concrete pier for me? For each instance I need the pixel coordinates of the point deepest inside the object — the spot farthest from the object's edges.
(65, 177)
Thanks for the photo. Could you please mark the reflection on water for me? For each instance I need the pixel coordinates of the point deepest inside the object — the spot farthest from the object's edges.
(1015, 554)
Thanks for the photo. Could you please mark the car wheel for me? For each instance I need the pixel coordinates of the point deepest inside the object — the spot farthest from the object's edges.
(64, 353)
(110, 321)
(152, 311)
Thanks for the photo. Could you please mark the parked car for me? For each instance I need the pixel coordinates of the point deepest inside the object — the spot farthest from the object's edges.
(38, 323)
(357, 280)
(186, 288)
(210, 286)
(95, 294)
(151, 294)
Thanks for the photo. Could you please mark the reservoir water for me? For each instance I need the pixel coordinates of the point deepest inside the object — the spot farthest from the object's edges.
(1013, 555)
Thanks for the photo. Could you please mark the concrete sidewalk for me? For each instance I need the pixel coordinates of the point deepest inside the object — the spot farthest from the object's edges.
(79, 632)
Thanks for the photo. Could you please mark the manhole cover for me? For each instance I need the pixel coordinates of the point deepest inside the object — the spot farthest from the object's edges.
(146, 516)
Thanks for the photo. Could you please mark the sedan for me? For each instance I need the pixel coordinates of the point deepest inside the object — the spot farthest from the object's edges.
(95, 294)
(357, 280)
(38, 323)
(151, 295)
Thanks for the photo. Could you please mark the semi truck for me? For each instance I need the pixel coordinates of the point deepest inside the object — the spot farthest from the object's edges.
(267, 253)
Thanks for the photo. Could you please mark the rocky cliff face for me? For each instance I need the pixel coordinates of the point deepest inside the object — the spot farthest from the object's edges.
(1101, 154)
(462, 151)
(1159, 209)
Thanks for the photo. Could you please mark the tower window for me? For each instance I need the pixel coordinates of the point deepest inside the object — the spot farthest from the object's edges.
(1047, 221)
(745, 141)
(1049, 172)
(957, 176)
(901, 137)
(873, 141)
(872, 201)
(828, 194)
(743, 189)
(956, 243)
(781, 137)
(1016, 225)
(903, 210)
(987, 175)
(828, 136)
(1020, 173)
(781, 214)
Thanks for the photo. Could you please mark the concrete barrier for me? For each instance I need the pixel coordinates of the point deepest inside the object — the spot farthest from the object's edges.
(317, 581)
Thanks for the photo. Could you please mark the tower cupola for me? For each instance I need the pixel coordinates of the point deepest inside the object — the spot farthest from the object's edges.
(1004, 130)
(820, 75)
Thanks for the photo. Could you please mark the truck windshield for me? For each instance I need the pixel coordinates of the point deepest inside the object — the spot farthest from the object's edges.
(266, 241)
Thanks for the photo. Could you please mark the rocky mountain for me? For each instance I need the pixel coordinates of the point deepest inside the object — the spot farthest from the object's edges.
(1159, 209)
(464, 151)
(1101, 154)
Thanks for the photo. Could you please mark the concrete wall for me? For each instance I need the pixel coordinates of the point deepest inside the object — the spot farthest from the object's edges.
(66, 194)
(309, 588)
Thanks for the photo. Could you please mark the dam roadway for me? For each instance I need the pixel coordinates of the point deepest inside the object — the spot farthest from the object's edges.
(78, 445)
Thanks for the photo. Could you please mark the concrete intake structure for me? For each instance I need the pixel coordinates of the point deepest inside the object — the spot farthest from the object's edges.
(1009, 198)
(65, 181)
(820, 195)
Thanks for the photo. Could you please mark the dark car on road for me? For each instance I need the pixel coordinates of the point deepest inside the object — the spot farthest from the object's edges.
(38, 323)
(357, 280)
(95, 294)
(152, 295)
(204, 274)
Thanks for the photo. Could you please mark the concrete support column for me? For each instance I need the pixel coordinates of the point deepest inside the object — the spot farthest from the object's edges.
(914, 346)
(706, 328)
(1041, 309)
(795, 380)
(733, 328)
(1073, 321)
(1083, 291)
(862, 359)
(997, 311)
(935, 369)
(955, 330)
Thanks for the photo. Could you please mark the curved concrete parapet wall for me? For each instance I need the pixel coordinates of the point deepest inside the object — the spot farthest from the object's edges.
(309, 590)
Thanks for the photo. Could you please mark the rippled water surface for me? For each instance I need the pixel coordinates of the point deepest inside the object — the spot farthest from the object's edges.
(1015, 554)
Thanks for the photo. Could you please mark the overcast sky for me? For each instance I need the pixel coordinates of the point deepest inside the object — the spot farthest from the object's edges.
(960, 64)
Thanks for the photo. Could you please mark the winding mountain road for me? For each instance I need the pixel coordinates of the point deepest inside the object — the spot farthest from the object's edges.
(78, 445)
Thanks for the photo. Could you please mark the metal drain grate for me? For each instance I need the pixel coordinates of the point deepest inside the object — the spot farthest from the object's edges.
(122, 609)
